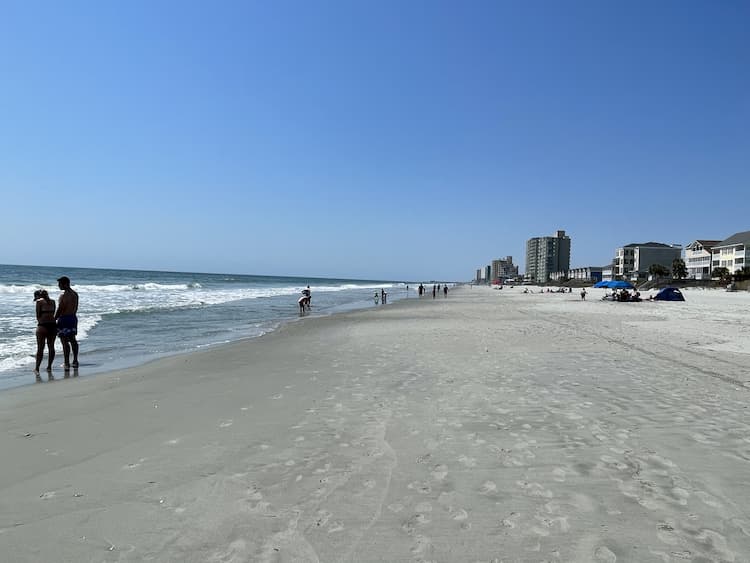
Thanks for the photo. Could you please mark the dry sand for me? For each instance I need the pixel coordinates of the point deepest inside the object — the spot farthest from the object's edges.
(489, 426)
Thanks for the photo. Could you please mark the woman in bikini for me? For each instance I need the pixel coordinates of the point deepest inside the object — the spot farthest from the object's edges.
(46, 329)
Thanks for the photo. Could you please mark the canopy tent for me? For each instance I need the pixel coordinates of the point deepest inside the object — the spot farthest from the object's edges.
(669, 294)
(614, 284)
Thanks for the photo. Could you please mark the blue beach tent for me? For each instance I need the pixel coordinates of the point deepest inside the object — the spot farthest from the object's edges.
(669, 294)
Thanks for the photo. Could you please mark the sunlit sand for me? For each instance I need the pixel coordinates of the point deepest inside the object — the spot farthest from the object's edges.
(486, 426)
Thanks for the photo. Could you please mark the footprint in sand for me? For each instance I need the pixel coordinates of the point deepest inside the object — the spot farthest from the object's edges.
(421, 544)
(510, 521)
(604, 555)
(534, 489)
(48, 495)
(423, 488)
(134, 465)
(460, 515)
(323, 517)
(439, 472)
(488, 487)
(468, 461)
(225, 423)
(336, 527)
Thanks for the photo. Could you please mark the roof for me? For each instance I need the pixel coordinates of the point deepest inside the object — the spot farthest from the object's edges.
(736, 238)
(659, 244)
(706, 244)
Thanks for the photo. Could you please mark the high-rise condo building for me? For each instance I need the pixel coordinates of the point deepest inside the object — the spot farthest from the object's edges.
(503, 269)
(545, 255)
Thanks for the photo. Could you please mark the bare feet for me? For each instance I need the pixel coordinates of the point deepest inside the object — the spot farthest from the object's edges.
(75, 363)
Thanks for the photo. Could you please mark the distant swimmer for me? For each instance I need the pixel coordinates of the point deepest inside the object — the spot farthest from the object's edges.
(67, 321)
(445, 290)
(376, 298)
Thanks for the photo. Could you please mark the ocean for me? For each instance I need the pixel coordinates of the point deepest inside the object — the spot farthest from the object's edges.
(129, 317)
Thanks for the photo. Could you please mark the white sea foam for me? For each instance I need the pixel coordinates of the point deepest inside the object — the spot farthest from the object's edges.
(18, 345)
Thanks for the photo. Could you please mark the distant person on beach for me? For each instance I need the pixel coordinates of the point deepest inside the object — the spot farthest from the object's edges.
(445, 290)
(421, 289)
(307, 293)
(67, 321)
(46, 329)
(383, 296)
(433, 291)
(583, 294)
(377, 298)
(302, 301)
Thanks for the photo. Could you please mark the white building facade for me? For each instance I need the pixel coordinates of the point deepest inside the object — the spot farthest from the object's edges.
(698, 258)
(732, 253)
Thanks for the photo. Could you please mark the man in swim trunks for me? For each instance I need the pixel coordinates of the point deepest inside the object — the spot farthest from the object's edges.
(67, 321)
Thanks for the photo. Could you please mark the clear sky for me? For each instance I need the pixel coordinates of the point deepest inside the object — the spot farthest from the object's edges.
(391, 139)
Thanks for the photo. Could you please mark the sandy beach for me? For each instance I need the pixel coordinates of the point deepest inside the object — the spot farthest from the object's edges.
(488, 426)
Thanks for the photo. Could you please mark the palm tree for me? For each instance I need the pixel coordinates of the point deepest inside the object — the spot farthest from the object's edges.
(679, 270)
(657, 270)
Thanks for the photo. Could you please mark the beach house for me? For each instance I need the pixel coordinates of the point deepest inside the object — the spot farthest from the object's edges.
(634, 260)
(698, 258)
(731, 253)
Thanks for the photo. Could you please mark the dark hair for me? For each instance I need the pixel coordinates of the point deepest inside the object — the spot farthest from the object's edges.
(37, 294)
(64, 279)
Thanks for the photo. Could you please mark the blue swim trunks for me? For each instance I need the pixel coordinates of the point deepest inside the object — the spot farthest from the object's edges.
(67, 325)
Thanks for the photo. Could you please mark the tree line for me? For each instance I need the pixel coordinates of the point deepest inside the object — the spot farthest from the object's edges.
(679, 271)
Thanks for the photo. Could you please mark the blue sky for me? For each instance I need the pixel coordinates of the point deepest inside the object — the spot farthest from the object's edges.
(397, 140)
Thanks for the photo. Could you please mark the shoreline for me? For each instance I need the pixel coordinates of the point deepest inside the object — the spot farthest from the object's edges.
(485, 425)
(124, 364)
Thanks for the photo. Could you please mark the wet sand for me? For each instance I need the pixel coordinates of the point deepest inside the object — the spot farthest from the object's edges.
(488, 426)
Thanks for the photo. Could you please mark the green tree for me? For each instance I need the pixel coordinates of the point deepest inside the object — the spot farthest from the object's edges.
(679, 270)
(657, 270)
(722, 273)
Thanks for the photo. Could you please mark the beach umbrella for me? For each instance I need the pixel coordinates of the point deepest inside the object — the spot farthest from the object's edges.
(603, 283)
(620, 284)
